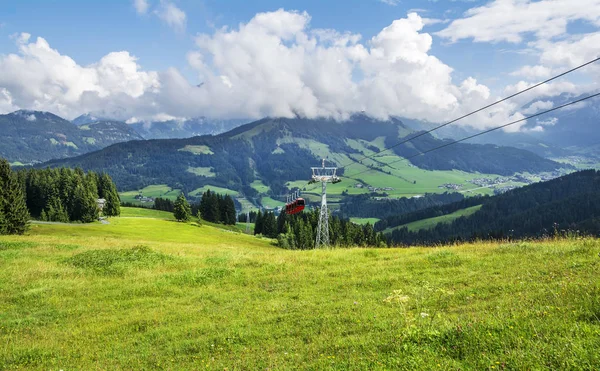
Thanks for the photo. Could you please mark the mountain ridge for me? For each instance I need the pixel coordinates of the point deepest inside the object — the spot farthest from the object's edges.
(279, 150)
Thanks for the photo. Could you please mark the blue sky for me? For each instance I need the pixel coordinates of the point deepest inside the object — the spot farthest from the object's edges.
(88, 30)
(486, 40)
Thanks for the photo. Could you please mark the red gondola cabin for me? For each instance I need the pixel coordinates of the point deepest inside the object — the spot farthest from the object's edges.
(295, 207)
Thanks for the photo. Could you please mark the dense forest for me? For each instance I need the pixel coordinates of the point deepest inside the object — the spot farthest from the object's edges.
(216, 208)
(68, 195)
(212, 207)
(569, 203)
(14, 217)
(300, 231)
(54, 195)
(366, 206)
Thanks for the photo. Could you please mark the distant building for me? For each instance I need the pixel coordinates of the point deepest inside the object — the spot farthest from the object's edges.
(101, 202)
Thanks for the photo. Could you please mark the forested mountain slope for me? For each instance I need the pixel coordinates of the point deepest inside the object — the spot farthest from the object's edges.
(32, 136)
(569, 203)
(277, 151)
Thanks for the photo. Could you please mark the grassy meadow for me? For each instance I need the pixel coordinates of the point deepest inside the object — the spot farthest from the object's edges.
(432, 222)
(150, 293)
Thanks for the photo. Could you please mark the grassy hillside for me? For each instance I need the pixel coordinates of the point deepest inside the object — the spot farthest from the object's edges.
(155, 294)
(153, 191)
(432, 222)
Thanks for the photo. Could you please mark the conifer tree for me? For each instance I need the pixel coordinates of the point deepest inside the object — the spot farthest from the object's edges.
(85, 206)
(108, 191)
(12, 201)
(258, 226)
(2, 219)
(182, 210)
(228, 210)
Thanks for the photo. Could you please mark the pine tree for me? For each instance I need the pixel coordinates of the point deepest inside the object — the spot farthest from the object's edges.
(228, 210)
(182, 211)
(258, 226)
(85, 205)
(108, 191)
(12, 202)
(55, 212)
(2, 219)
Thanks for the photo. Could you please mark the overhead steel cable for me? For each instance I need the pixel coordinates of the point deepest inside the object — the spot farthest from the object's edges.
(472, 113)
(483, 132)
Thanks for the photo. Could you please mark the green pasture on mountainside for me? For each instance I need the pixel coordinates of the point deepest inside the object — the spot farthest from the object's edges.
(144, 293)
(432, 222)
(153, 191)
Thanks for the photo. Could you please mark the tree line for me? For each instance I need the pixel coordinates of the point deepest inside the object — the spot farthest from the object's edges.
(14, 216)
(56, 195)
(300, 231)
(213, 207)
(69, 195)
(365, 206)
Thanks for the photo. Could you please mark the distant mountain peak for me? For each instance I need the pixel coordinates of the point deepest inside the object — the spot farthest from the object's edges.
(88, 118)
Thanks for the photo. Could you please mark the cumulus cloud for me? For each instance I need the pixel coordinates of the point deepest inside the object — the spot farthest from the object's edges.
(141, 6)
(541, 26)
(273, 65)
(511, 20)
(40, 78)
(172, 15)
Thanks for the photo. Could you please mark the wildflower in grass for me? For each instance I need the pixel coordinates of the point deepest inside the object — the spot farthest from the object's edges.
(424, 315)
(396, 297)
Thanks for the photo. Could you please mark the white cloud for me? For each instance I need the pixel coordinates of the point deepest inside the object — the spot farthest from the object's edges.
(533, 72)
(276, 66)
(141, 6)
(273, 65)
(511, 20)
(537, 106)
(40, 78)
(31, 117)
(548, 122)
(172, 15)
(391, 2)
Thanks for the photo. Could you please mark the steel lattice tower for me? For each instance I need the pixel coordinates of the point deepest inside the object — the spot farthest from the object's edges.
(324, 175)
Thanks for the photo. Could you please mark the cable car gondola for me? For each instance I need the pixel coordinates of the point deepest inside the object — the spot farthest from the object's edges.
(295, 206)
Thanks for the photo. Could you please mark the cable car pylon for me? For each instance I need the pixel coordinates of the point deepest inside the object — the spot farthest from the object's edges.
(324, 175)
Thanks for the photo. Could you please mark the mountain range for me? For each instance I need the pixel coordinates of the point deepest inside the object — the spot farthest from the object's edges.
(275, 151)
(34, 136)
(172, 129)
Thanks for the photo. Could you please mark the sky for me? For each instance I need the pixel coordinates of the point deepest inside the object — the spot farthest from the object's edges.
(431, 60)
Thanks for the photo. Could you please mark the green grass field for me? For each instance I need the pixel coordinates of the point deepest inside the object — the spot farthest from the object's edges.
(206, 172)
(260, 187)
(270, 203)
(363, 221)
(432, 222)
(405, 179)
(137, 212)
(223, 191)
(156, 190)
(152, 294)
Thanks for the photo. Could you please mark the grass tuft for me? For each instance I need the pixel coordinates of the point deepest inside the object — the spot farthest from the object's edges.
(115, 262)
(16, 245)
